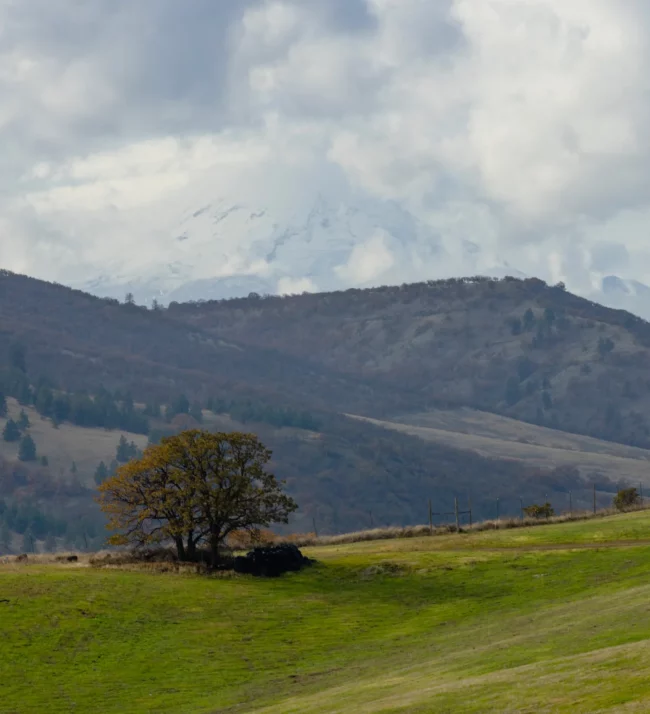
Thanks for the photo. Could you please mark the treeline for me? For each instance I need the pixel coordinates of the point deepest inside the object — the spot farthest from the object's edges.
(23, 526)
(246, 411)
(102, 410)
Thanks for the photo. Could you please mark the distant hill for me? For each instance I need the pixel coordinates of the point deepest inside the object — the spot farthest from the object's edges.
(516, 347)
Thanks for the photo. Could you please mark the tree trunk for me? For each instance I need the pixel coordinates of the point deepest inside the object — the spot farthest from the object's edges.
(191, 548)
(180, 548)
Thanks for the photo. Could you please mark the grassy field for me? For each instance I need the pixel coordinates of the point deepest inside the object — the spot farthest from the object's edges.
(550, 619)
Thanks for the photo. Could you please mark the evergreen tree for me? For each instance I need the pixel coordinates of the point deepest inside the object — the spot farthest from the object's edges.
(129, 299)
(73, 468)
(44, 401)
(45, 461)
(27, 449)
(11, 431)
(17, 358)
(529, 320)
(123, 452)
(23, 421)
(101, 474)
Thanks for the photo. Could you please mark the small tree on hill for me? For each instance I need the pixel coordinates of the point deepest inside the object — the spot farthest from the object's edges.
(544, 510)
(194, 487)
(11, 432)
(23, 421)
(27, 449)
(626, 499)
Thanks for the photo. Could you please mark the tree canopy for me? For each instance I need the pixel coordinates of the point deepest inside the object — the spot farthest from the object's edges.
(195, 487)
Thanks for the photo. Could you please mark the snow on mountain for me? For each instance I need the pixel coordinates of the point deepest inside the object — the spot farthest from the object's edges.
(327, 241)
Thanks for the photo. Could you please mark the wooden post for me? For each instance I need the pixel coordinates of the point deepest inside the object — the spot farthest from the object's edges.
(86, 540)
(641, 491)
(498, 513)
(469, 508)
(570, 504)
(314, 522)
(457, 518)
(521, 503)
(372, 522)
(430, 519)
(594, 499)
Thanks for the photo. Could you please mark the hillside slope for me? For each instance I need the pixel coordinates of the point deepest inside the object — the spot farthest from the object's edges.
(516, 347)
(545, 619)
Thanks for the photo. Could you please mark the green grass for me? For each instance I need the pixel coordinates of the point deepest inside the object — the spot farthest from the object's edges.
(530, 620)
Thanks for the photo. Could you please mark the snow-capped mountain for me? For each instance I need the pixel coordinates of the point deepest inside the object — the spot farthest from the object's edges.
(225, 248)
(630, 295)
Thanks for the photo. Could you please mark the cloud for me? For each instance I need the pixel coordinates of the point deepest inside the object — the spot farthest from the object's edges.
(518, 127)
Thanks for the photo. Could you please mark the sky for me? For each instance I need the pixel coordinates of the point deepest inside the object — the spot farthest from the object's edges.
(522, 126)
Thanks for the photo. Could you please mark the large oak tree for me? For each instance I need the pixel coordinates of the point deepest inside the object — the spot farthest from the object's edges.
(196, 487)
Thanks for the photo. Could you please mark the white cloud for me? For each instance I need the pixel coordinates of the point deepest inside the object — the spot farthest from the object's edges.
(519, 126)
(368, 261)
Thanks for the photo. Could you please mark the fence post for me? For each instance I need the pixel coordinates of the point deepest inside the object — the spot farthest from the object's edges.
(594, 499)
(457, 518)
(498, 511)
(521, 503)
(641, 491)
(314, 522)
(372, 522)
(570, 504)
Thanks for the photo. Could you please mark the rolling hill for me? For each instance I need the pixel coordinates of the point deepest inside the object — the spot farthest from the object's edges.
(545, 619)
(476, 366)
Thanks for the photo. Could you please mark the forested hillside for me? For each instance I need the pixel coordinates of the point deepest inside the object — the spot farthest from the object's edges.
(291, 369)
(516, 347)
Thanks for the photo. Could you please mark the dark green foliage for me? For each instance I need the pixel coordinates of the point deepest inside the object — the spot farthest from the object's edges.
(626, 499)
(23, 421)
(529, 320)
(11, 432)
(104, 410)
(125, 451)
(545, 510)
(246, 411)
(27, 449)
(101, 473)
(45, 461)
(3, 405)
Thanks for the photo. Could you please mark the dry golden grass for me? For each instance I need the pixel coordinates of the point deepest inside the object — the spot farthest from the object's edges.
(495, 436)
(68, 443)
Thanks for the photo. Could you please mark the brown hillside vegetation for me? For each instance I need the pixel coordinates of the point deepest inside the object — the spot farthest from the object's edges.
(516, 347)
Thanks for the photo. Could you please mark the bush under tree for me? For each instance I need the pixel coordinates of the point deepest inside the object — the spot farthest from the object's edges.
(536, 510)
